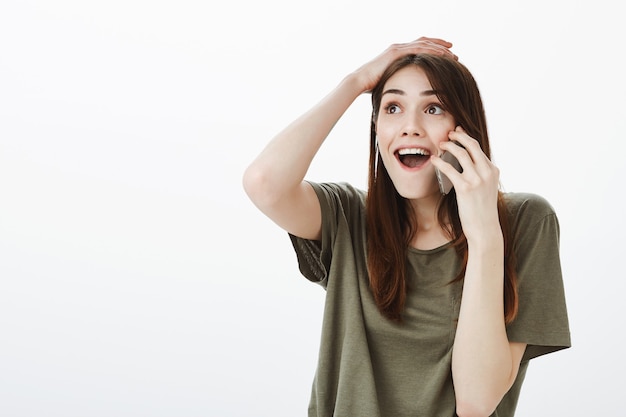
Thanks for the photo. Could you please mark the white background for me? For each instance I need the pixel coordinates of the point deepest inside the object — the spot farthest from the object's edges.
(136, 279)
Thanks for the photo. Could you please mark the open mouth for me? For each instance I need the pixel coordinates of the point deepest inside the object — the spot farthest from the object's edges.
(413, 157)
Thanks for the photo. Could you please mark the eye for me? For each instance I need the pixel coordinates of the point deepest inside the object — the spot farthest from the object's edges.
(434, 109)
(392, 108)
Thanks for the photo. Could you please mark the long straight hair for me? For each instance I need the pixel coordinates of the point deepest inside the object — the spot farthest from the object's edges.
(391, 223)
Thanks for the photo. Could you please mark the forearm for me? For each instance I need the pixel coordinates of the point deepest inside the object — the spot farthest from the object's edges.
(482, 362)
(283, 164)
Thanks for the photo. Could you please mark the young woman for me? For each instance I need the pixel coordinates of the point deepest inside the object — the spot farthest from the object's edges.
(435, 302)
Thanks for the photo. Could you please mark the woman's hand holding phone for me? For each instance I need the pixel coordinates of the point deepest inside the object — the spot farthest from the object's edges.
(476, 182)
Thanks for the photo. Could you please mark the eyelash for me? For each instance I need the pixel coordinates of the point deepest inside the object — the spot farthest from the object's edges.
(438, 106)
(389, 106)
(430, 106)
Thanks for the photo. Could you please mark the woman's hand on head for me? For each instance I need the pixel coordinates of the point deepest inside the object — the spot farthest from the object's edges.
(370, 73)
(476, 187)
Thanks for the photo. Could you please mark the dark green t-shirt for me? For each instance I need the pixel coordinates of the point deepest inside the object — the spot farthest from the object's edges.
(371, 367)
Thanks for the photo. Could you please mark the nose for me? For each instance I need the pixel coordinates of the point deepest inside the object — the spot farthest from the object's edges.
(412, 125)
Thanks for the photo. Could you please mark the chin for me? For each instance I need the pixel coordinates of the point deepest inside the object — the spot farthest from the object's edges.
(416, 191)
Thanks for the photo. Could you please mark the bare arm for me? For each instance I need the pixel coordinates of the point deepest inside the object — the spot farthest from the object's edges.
(484, 362)
(275, 179)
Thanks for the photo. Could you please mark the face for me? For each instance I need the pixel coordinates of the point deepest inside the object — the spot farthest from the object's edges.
(411, 123)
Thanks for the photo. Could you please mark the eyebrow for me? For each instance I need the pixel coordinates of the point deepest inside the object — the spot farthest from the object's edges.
(402, 93)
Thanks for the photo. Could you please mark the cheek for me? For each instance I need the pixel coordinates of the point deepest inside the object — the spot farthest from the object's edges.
(441, 140)
(383, 148)
(442, 135)
(383, 135)
(385, 123)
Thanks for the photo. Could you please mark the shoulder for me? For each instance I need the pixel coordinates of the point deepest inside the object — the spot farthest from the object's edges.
(527, 207)
(533, 220)
(528, 202)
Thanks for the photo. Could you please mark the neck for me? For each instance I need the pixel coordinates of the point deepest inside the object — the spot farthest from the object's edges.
(429, 233)
(425, 211)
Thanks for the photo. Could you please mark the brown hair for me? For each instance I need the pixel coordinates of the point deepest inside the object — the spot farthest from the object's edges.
(391, 224)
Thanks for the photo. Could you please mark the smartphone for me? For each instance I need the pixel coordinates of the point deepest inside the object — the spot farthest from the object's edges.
(445, 185)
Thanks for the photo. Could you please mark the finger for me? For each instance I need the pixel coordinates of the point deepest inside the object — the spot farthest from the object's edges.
(437, 46)
(432, 43)
(481, 164)
(465, 161)
(427, 48)
(471, 145)
(439, 41)
(447, 169)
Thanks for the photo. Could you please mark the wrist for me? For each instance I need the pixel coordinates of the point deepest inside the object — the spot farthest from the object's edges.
(488, 240)
(358, 81)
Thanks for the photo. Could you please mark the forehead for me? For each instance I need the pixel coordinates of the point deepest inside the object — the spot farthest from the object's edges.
(410, 79)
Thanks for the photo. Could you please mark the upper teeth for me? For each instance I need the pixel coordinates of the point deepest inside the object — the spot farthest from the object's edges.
(413, 151)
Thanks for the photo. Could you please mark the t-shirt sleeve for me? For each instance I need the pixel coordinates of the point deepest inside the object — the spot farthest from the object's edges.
(542, 320)
(342, 207)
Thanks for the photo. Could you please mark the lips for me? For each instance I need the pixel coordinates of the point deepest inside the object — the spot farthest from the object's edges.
(413, 157)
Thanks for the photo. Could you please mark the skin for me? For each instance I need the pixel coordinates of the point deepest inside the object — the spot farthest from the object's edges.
(484, 362)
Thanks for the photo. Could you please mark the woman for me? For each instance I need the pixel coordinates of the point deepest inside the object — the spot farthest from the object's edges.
(435, 302)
